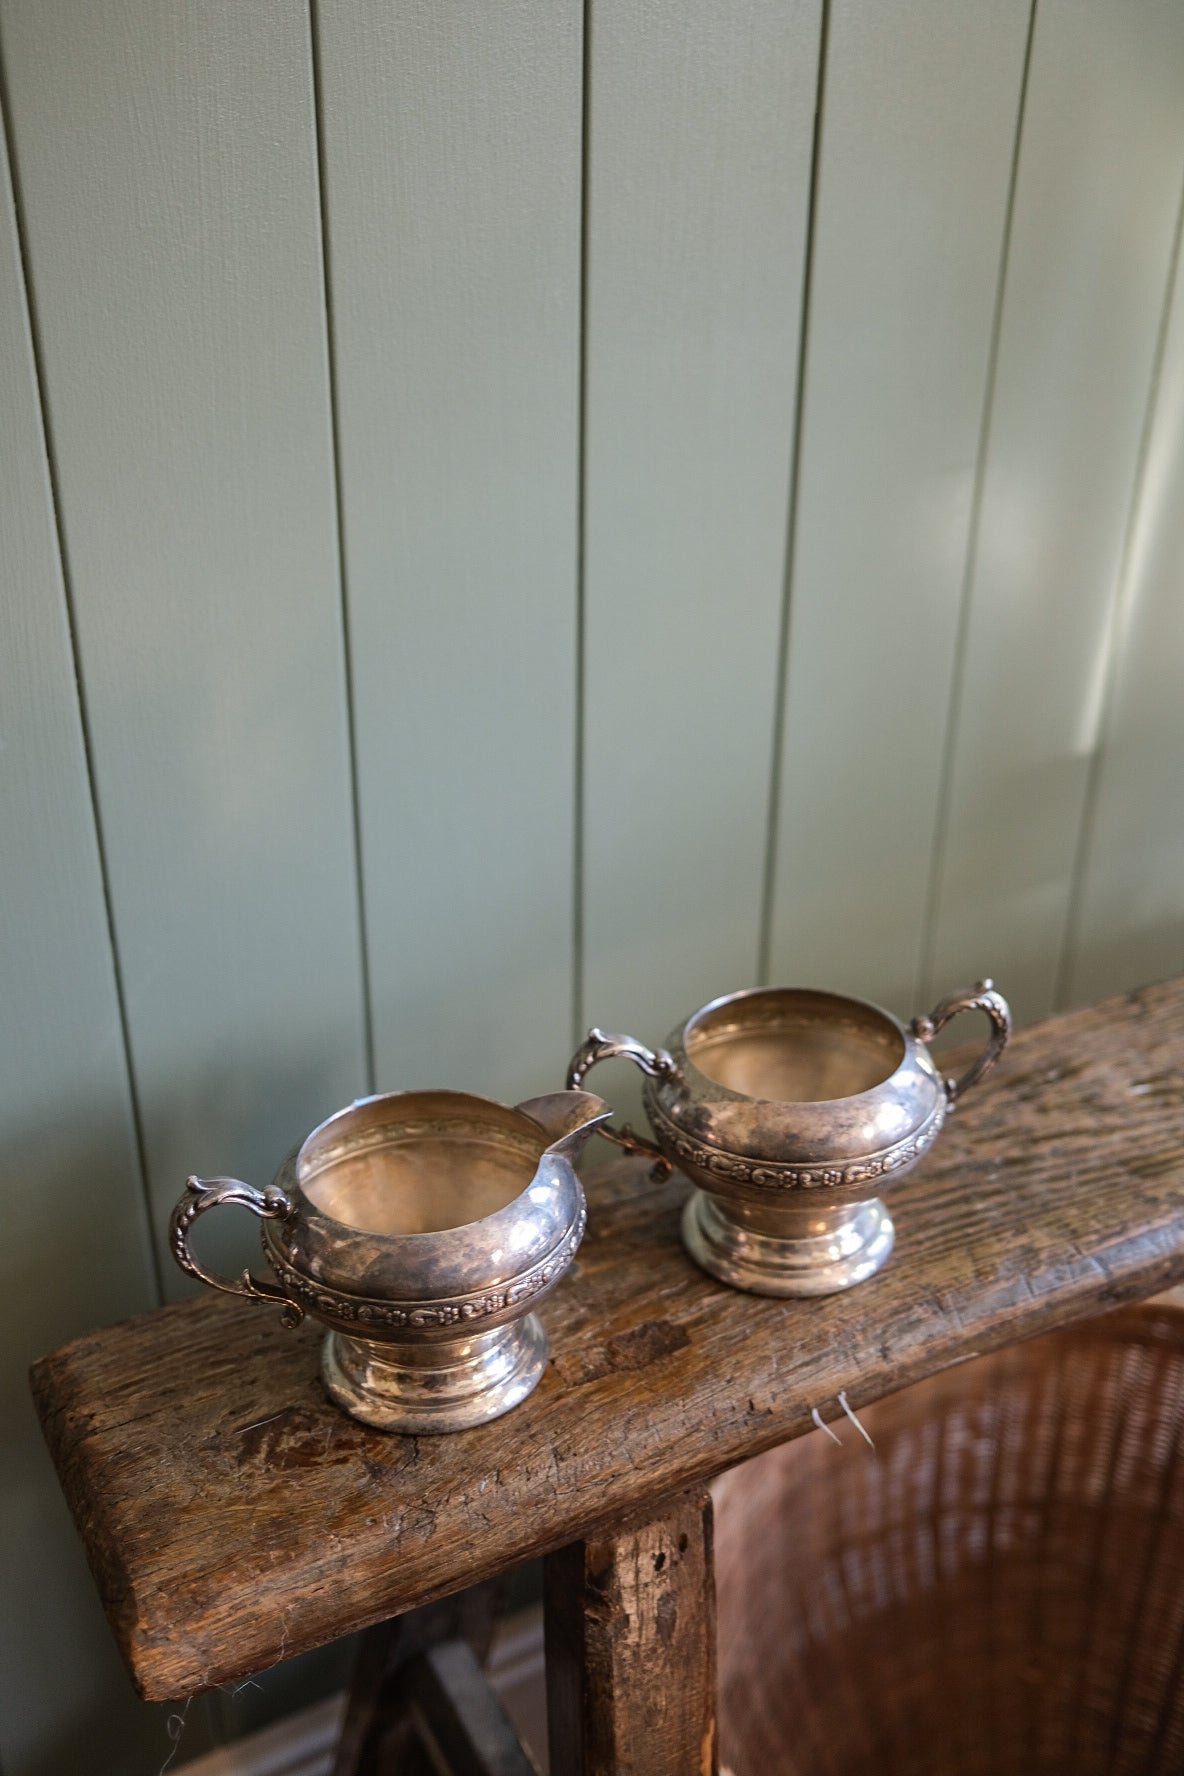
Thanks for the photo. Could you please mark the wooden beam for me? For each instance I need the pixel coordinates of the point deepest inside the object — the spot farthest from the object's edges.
(233, 1517)
(376, 1693)
(630, 1628)
(459, 1717)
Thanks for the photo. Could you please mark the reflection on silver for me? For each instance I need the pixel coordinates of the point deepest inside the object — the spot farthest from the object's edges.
(422, 1228)
(784, 1105)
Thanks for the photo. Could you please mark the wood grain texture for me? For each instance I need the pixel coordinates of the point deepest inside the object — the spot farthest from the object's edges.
(1090, 256)
(700, 130)
(1129, 923)
(452, 168)
(231, 1515)
(167, 163)
(69, 1171)
(630, 1637)
(919, 118)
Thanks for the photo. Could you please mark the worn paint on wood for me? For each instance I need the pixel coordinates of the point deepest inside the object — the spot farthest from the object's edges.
(1055, 1194)
(452, 179)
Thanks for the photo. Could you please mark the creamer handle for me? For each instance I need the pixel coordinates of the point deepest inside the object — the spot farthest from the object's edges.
(208, 1193)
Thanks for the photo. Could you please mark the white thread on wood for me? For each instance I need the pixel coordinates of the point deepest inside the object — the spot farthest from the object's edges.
(851, 1415)
(817, 1417)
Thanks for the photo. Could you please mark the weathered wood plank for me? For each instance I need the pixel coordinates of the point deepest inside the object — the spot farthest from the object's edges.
(452, 146)
(630, 1627)
(230, 1513)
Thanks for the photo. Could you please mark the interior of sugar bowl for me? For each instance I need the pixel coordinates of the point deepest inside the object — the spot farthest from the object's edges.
(794, 1046)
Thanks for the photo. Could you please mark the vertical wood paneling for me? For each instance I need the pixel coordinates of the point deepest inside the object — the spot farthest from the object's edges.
(75, 1246)
(1095, 210)
(700, 134)
(172, 190)
(917, 139)
(452, 168)
(1130, 913)
(167, 160)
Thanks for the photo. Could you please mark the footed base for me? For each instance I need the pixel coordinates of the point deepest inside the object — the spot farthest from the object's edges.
(445, 1385)
(849, 1246)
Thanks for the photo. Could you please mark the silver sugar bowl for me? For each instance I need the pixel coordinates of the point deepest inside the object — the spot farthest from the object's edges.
(790, 1110)
(423, 1229)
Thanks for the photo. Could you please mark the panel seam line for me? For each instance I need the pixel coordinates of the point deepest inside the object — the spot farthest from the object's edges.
(942, 814)
(331, 360)
(36, 348)
(781, 696)
(1115, 624)
(579, 836)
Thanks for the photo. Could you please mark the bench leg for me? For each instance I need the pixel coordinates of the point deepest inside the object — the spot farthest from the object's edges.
(457, 1719)
(630, 1636)
(377, 1712)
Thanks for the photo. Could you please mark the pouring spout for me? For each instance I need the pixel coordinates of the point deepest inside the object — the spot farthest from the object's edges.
(567, 1118)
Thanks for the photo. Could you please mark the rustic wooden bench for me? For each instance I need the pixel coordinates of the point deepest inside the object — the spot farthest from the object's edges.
(233, 1518)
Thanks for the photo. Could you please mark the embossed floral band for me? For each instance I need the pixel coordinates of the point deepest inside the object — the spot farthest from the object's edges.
(421, 1228)
(782, 1105)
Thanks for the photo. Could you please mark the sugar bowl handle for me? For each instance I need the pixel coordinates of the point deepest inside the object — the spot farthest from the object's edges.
(209, 1193)
(601, 1046)
(982, 997)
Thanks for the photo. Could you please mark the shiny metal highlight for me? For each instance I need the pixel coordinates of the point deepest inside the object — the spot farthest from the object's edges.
(423, 1229)
(784, 1105)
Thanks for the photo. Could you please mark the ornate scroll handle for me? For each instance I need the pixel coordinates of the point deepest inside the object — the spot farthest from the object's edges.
(982, 997)
(207, 1193)
(600, 1046)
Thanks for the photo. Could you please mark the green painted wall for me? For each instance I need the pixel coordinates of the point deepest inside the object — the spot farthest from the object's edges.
(525, 515)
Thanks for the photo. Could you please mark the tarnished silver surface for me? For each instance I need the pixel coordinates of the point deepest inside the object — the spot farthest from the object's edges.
(784, 1105)
(393, 1387)
(828, 1252)
(422, 1228)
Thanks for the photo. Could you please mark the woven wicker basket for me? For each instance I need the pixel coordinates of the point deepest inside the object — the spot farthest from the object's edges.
(1000, 1588)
